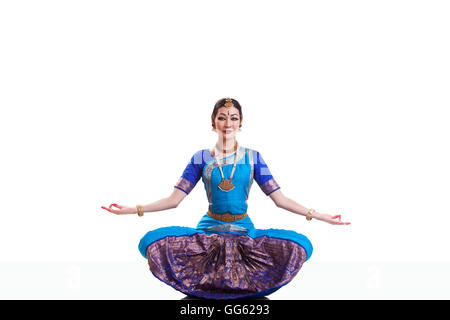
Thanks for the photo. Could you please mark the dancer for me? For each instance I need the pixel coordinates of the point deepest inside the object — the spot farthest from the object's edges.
(225, 256)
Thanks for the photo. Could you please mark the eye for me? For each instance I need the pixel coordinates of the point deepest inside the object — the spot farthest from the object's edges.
(234, 119)
(221, 118)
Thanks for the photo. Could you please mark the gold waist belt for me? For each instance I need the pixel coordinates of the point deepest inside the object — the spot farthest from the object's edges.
(227, 217)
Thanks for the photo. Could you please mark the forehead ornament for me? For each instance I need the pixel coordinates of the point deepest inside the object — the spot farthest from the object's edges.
(229, 102)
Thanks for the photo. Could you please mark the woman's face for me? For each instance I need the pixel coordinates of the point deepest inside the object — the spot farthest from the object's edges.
(227, 122)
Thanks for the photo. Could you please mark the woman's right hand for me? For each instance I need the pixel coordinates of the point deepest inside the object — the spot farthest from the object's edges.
(122, 209)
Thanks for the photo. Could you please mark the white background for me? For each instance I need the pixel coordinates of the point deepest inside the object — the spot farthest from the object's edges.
(106, 101)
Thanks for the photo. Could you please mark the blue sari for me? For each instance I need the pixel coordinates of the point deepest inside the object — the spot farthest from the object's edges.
(219, 259)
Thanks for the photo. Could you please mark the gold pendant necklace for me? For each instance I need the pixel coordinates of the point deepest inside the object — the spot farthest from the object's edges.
(226, 184)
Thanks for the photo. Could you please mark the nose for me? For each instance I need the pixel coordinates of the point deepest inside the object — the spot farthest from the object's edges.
(228, 123)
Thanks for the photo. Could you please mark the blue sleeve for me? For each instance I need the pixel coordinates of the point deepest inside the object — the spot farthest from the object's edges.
(263, 176)
(191, 174)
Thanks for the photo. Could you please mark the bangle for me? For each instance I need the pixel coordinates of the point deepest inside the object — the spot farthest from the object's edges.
(140, 210)
(309, 214)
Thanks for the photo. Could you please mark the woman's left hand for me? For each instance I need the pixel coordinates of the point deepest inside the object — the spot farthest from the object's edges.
(329, 218)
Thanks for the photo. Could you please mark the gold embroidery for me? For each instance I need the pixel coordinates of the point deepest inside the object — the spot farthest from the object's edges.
(185, 185)
(269, 186)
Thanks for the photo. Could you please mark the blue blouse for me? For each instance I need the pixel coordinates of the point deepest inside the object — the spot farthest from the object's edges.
(250, 165)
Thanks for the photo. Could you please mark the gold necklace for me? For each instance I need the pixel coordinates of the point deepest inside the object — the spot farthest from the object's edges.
(226, 184)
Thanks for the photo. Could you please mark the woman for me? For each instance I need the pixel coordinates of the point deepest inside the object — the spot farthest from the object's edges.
(225, 257)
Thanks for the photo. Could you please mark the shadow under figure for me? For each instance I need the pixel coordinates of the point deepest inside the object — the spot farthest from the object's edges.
(225, 256)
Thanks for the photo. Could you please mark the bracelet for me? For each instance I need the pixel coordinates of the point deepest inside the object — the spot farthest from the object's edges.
(140, 210)
(309, 214)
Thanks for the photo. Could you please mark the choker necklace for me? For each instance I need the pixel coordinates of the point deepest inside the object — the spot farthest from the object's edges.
(226, 184)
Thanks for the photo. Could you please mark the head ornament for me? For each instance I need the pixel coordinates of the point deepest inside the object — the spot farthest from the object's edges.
(228, 102)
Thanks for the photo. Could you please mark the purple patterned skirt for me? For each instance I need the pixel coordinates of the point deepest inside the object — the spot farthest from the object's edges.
(225, 265)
